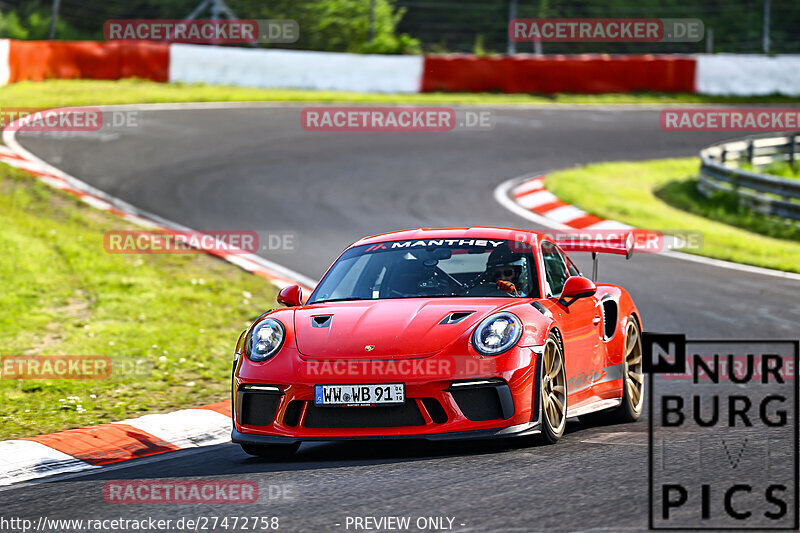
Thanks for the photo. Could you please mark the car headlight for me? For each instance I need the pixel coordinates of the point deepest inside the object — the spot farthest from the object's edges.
(266, 340)
(497, 334)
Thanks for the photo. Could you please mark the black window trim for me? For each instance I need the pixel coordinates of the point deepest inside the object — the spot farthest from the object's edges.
(564, 259)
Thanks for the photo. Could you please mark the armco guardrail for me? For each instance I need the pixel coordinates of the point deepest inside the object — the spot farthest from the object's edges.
(720, 171)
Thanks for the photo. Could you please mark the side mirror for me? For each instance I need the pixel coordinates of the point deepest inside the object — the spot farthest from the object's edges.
(291, 296)
(577, 287)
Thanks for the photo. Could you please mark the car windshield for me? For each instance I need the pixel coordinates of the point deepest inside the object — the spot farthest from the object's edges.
(431, 268)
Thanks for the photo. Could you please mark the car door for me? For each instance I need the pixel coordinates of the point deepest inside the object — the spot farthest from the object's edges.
(577, 323)
(598, 359)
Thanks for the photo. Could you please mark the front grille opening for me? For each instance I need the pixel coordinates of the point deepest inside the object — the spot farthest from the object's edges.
(407, 414)
(257, 408)
(292, 416)
(435, 410)
(490, 401)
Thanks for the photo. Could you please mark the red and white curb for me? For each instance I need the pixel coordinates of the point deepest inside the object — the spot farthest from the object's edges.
(75, 450)
(528, 198)
(532, 195)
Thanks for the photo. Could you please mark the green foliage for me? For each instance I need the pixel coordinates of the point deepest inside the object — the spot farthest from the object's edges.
(737, 24)
(779, 168)
(327, 25)
(479, 49)
(725, 207)
(34, 26)
(405, 26)
(337, 25)
(344, 25)
(11, 27)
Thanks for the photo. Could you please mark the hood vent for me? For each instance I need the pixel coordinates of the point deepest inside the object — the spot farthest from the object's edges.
(456, 317)
(322, 321)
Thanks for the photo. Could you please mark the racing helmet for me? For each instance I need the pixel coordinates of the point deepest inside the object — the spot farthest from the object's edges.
(507, 265)
(503, 256)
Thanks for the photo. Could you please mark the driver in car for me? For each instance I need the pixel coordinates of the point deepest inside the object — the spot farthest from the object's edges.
(504, 267)
(502, 275)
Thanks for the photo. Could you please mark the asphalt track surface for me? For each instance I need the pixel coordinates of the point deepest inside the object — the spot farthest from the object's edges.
(255, 168)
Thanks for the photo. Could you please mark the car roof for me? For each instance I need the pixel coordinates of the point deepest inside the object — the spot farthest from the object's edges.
(475, 232)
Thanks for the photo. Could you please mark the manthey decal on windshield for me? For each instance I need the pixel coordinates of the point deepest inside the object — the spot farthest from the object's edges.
(479, 243)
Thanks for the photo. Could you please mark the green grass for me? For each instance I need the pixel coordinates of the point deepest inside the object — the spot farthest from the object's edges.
(781, 169)
(178, 316)
(662, 195)
(93, 92)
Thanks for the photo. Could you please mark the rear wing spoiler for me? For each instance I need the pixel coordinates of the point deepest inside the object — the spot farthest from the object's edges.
(622, 245)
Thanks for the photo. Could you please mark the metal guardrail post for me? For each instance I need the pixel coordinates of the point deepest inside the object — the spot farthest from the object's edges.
(792, 150)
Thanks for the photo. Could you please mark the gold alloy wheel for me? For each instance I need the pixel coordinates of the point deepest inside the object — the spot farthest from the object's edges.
(634, 374)
(554, 387)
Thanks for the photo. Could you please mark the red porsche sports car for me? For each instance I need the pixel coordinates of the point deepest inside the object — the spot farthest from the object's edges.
(440, 334)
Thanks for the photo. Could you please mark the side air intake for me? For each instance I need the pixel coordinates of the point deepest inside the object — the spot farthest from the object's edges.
(610, 316)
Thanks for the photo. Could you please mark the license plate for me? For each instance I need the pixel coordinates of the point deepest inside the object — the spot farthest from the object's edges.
(360, 395)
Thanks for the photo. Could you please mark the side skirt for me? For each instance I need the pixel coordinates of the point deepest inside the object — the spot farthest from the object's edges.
(594, 407)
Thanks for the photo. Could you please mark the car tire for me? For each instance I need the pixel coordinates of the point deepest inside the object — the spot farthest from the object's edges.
(633, 381)
(552, 392)
(271, 451)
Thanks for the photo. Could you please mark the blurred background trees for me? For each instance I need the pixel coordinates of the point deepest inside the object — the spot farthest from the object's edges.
(413, 26)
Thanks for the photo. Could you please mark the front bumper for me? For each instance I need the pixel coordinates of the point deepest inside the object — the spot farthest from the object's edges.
(274, 403)
(530, 428)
